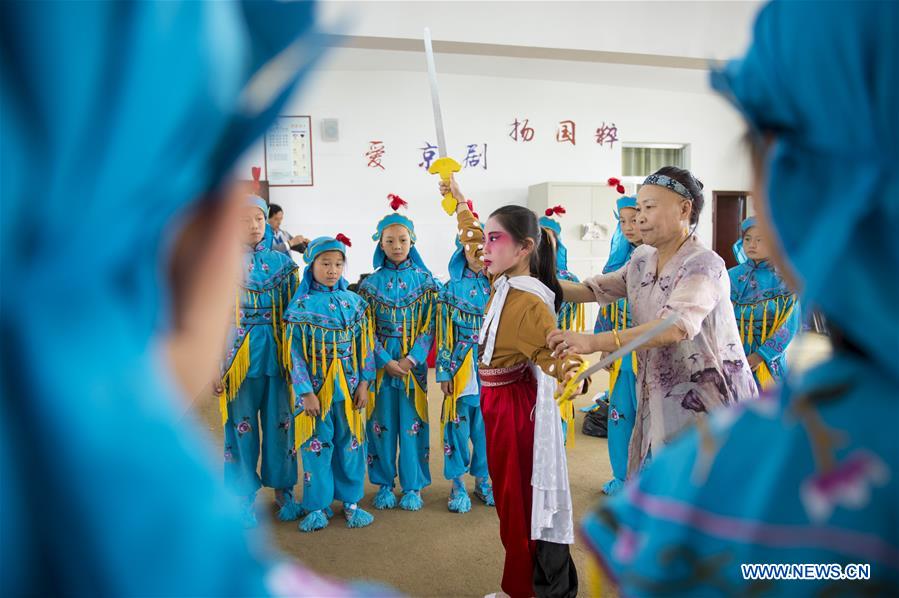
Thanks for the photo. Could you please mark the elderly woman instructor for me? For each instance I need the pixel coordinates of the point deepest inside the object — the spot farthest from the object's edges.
(698, 364)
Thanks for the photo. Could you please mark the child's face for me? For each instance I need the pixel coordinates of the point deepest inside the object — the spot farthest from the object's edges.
(253, 225)
(627, 217)
(501, 251)
(755, 245)
(327, 269)
(396, 243)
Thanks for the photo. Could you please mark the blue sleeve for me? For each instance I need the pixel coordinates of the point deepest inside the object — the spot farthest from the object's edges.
(444, 350)
(299, 369)
(778, 342)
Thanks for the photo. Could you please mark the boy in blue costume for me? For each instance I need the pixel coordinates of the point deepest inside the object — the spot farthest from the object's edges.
(402, 296)
(767, 311)
(622, 374)
(253, 399)
(460, 313)
(328, 352)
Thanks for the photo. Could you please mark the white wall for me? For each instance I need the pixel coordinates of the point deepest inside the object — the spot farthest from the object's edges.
(395, 107)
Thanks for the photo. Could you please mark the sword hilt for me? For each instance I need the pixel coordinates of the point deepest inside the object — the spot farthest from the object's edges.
(445, 167)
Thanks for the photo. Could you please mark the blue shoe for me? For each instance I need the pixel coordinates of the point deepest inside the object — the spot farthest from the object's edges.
(314, 521)
(459, 501)
(612, 487)
(484, 491)
(412, 501)
(288, 508)
(385, 499)
(356, 517)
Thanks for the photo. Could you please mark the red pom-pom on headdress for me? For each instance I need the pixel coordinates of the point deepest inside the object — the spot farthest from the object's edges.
(555, 211)
(256, 172)
(397, 202)
(344, 239)
(613, 182)
(471, 208)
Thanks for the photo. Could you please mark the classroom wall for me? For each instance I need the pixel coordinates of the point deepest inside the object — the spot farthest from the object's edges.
(395, 107)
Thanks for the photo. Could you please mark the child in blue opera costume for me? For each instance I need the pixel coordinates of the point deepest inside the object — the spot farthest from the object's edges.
(328, 352)
(622, 374)
(402, 296)
(254, 399)
(460, 313)
(768, 312)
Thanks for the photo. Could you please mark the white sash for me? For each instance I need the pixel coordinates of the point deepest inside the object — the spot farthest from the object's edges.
(551, 510)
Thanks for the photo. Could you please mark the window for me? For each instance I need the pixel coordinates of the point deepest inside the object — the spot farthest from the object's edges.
(639, 160)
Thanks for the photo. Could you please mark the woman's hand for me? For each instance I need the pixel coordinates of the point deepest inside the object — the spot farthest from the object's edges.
(447, 388)
(311, 406)
(360, 397)
(566, 342)
(394, 369)
(217, 387)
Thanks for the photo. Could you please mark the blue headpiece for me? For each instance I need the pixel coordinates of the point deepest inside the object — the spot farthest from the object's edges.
(257, 202)
(739, 254)
(315, 248)
(389, 220)
(561, 251)
(621, 248)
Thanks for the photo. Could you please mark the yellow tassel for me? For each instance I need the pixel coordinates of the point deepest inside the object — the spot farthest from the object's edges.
(324, 355)
(313, 368)
(567, 411)
(405, 343)
(373, 394)
(613, 375)
(235, 376)
(237, 310)
(421, 400)
(765, 321)
(751, 325)
(766, 380)
(303, 429)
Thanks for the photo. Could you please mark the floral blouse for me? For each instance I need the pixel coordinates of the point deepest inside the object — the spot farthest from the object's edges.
(680, 383)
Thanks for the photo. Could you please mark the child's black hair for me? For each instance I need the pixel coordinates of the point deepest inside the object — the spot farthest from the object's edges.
(521, 223)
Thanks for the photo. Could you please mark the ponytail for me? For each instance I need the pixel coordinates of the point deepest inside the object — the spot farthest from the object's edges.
(543, 266)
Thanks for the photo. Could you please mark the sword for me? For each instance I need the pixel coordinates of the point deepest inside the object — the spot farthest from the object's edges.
(629, 347)
(444, 165)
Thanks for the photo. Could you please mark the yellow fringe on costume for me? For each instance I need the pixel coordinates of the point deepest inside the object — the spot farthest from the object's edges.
(234, 377)
(783, 309)
(460, 380)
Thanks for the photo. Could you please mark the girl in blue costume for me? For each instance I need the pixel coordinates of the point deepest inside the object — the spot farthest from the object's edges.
(622, 379)
(328, 352)
(253, 393)
(107, 488)
(460, 314)
(810, 475)
(571, 315)
(402, 296)
(767, 311)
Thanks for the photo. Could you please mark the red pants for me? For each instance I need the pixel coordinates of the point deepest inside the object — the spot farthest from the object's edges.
(510, 459)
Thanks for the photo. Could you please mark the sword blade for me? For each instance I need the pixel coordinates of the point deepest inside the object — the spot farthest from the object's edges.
(435, 95)
(629, 347)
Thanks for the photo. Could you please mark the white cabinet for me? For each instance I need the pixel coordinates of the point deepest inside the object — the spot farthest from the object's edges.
(585, 203)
